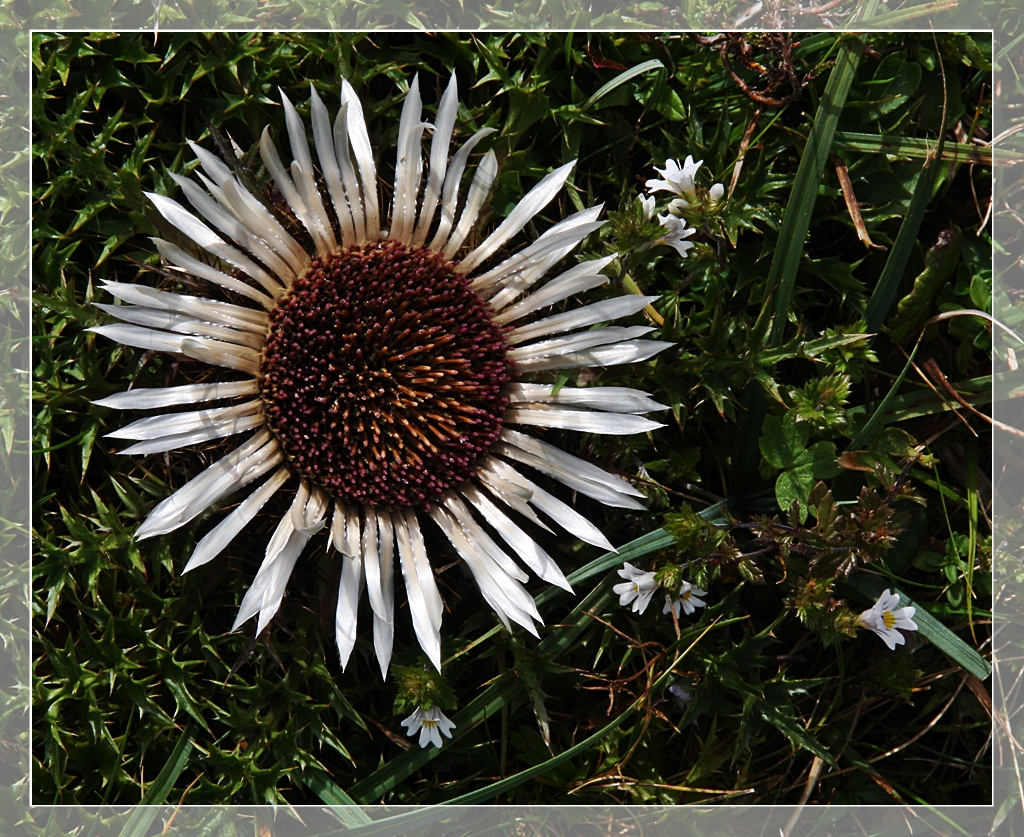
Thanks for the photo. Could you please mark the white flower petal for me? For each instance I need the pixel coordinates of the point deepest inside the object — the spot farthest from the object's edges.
(346, 615)
(181, 324)
(223, 313)
(582, 421)
(450, 190)
(565, 516)
(325, 149)
(582, 277)
(479, 189)
(424, 600)
(283, 180)
(157, 426)
(218, 430)
(319, 223)
(151, 399)
(502, 592)
(224, 532)
(544, 351)
(244, 464)
(216, 168)
(218, 353)
(444, 125)
(413, 722)
(213, 243)
(536, 199)
(464, 519)
(408, 165)
(520, 271)
(609, 399)
(229, 224)
(267, 589)
(302, 176)
(615, 354)
(381, 587)
(598, 312)
(286, 544)
(140, 338)
(514, 496)
(600, 492)
(521, 543)
(258, 218)
(174, 255)
(359, 142)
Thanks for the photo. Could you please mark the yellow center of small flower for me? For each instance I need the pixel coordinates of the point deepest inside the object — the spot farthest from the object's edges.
(889, 618)
(429, 722)
(383, 376)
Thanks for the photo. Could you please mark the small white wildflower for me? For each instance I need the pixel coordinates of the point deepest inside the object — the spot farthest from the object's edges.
(638, 588)
(886, 622)
(430, 724)
(687, 601)
(676, 179)
(676, 233)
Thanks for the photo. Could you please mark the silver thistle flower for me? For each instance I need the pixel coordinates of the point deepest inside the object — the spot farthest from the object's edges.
(380, 371)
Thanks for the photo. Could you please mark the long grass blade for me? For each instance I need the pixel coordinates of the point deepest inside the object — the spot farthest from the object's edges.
(884, 294)
(790, 249)
(143, 816)
(345, 806)
(915, 148)
(620, 79)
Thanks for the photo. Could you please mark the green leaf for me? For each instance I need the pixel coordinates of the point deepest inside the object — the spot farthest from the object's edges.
(783, 440)
(795, 483)
(896, 80)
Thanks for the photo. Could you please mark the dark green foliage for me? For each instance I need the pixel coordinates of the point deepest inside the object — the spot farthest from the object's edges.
(139, 686)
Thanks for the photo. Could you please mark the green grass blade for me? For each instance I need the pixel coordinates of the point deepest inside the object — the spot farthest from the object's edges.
(884, 294)
(916, 148)
(901, 17)
(878, 415)
(972, 521)
(329, 792)
(790, 249)
(644, 545)
(143, 816)
(871, 586)
(621, 78)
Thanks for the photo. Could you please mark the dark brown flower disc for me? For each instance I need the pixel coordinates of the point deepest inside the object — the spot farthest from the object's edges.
(383, 376)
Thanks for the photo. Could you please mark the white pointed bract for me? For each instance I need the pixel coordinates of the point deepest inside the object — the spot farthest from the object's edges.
(357, 481)
(430, 724)
(886, 621)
